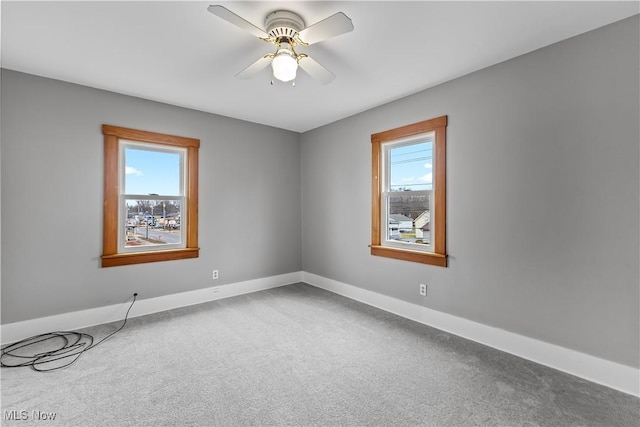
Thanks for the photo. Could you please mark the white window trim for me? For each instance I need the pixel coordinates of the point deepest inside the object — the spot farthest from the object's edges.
(123, 145)
(386, 192)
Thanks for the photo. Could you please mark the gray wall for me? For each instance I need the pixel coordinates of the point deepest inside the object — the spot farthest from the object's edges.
(543, 205)
(52, 199)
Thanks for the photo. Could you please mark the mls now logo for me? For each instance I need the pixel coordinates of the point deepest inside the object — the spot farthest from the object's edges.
(15, 415)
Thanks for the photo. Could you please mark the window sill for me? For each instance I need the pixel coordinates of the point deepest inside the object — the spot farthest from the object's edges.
(143, 257)
(408, 255)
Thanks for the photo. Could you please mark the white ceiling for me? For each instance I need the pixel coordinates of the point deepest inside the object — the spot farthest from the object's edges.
(180, 54)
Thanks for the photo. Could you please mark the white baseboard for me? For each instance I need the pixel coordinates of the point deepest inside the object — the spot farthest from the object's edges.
(614, 375)
(611, 374)
(13, 332)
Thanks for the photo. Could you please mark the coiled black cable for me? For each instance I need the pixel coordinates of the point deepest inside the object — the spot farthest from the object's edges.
(71, 345)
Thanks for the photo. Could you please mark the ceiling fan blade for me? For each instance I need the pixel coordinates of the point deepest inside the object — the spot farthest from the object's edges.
(256, 67)
(315, 70)
(227, 15)
(329, 27)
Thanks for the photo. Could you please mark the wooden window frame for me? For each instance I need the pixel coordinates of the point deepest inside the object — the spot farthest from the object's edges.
(439, 256)
(110, 256)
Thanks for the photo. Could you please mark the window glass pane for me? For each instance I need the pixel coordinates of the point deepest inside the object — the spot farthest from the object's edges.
(409, 217)
(411, 167)
(152, 172)
(152, 222)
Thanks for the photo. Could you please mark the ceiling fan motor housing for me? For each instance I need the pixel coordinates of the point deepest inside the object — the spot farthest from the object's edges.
(283, 24)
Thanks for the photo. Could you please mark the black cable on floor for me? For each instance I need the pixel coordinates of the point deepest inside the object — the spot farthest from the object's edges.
(71, 346)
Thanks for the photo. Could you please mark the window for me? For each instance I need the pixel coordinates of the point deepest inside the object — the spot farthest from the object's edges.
(408, 192)
(150, 197)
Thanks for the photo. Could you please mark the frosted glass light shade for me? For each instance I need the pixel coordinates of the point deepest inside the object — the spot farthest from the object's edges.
(284, 66)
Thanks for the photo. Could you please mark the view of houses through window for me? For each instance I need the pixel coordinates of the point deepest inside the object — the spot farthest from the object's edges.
(153, 197)
(409, 191)
(152, 222)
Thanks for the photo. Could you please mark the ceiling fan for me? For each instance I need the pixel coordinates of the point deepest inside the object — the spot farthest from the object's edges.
(287, 30)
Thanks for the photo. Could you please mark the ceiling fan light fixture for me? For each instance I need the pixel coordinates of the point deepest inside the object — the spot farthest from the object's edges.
(286, 30)
(284, 65)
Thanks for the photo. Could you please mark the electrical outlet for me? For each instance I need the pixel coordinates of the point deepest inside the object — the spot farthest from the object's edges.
(215, 275)
(423, 289)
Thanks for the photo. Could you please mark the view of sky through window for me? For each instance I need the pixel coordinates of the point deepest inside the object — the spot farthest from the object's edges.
(152, 172)
(411, 167)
